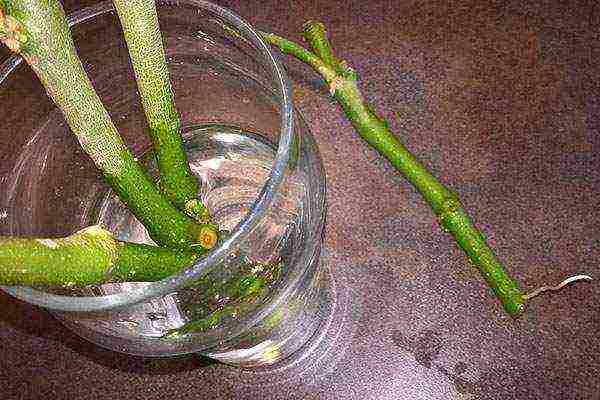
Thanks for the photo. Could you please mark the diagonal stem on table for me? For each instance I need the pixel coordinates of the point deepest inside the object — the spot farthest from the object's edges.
(342, 81)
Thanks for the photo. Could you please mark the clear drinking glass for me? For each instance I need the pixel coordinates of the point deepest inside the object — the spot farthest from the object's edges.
(260, 294)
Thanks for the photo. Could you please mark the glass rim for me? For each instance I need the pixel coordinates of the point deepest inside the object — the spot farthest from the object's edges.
(216, 255)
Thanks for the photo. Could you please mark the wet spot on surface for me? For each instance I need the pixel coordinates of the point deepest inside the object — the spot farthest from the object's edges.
(425, 346)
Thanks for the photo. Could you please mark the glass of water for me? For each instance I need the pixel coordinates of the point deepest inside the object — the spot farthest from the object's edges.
(260, 294)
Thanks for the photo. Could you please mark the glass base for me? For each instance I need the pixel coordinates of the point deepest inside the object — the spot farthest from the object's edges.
(319, 355)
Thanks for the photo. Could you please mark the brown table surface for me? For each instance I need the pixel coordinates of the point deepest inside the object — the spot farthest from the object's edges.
(500, 99)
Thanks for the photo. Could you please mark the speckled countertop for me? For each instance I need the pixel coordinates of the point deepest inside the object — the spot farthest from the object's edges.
(500, 99)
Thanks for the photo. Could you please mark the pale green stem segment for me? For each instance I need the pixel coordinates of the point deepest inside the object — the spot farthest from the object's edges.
(444, 202)
(41, 30)
(144, 40)
(89, 256)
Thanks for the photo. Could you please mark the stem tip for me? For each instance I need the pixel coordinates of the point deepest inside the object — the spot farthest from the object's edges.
(208, 237)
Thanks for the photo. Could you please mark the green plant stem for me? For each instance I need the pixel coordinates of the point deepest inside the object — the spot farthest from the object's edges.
(316, 36)
(142, 33)
(242, 292)
(43, 39)
(444, 202)
(89, 256)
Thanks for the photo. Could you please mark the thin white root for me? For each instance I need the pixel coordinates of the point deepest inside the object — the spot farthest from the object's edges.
(557, 287)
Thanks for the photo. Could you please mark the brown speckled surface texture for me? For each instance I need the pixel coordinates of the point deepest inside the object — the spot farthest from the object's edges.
(501, 100)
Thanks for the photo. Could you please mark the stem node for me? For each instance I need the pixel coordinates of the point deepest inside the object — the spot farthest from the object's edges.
(449, 209)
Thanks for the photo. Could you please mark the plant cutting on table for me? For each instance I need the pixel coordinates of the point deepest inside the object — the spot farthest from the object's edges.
(171, 212)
